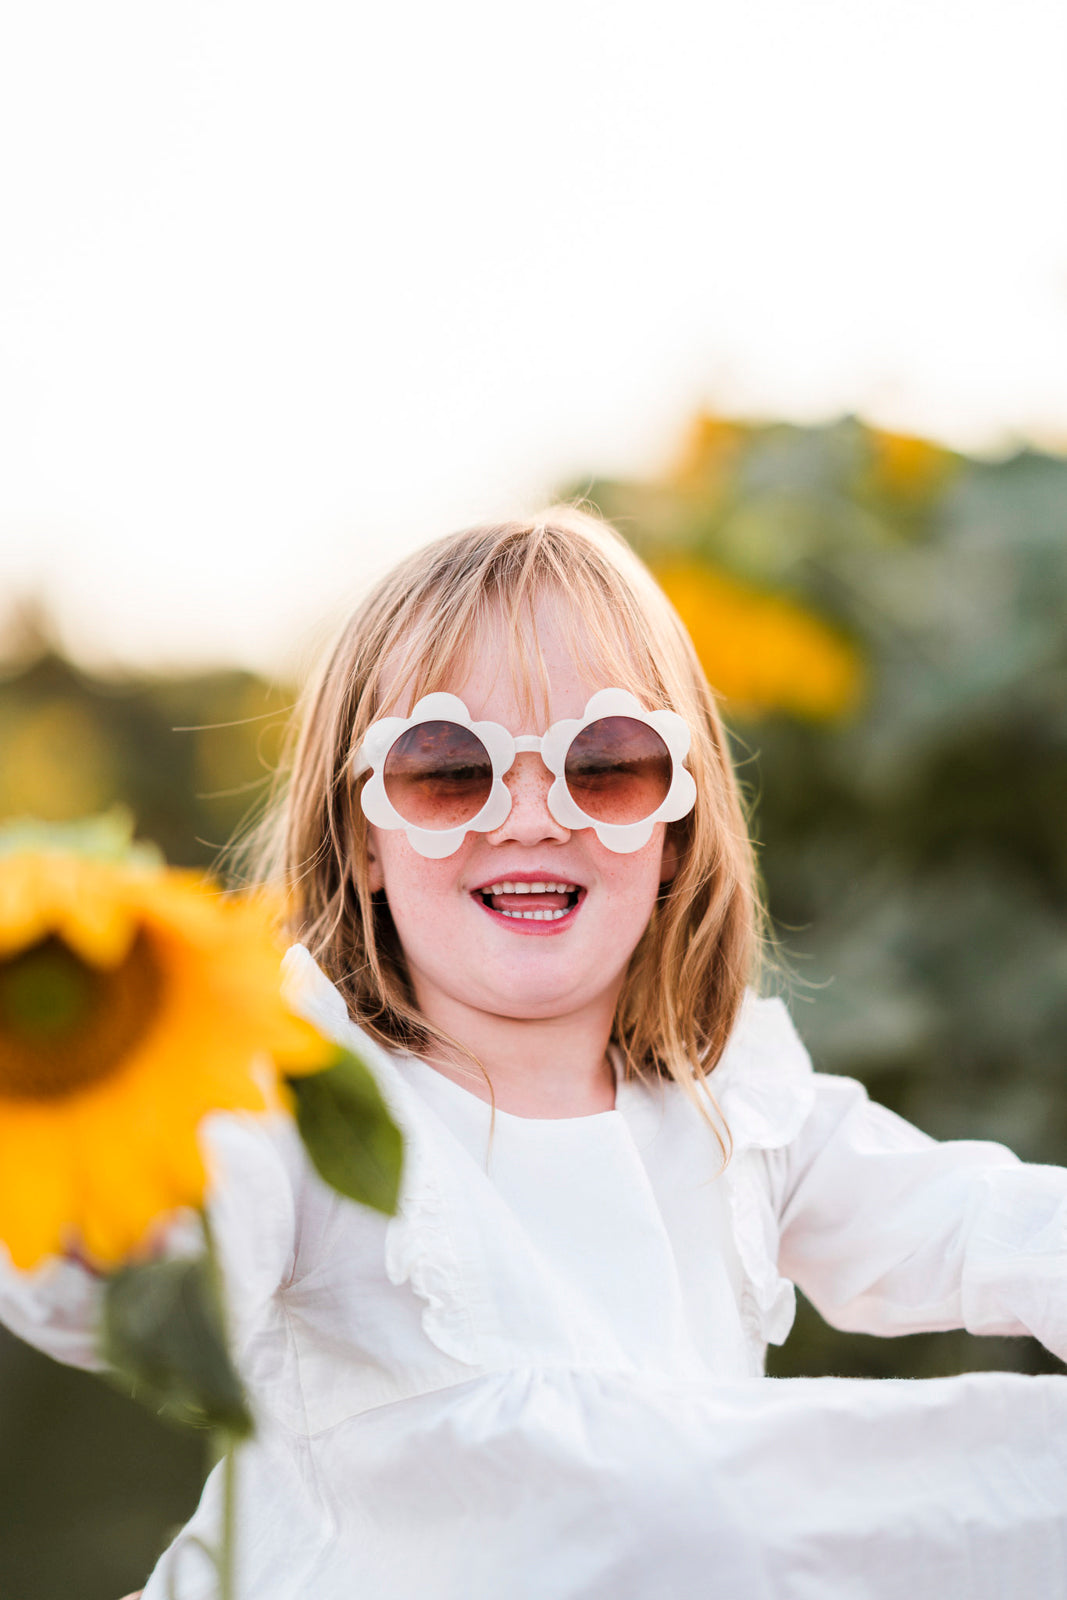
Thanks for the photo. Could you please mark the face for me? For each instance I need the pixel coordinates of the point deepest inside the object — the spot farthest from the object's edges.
(470, 949)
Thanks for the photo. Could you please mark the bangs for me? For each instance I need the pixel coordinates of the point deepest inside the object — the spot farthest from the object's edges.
(491, 616)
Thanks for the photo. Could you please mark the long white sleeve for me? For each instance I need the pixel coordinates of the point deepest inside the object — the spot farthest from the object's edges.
(56, 1308)
(888, 1231)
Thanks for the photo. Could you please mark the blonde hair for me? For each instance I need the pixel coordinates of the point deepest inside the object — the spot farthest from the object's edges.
(687, 976)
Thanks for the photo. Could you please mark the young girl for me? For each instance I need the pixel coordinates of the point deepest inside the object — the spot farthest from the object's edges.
(524, 893)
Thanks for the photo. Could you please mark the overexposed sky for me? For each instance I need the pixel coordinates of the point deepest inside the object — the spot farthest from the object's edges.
(287, 288)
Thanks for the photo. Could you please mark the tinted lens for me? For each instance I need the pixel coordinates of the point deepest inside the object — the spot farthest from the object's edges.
(618, 770)
(438, 775)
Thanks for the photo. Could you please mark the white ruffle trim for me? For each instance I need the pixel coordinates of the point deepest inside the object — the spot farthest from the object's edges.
(764, 1082)
(420, 1249)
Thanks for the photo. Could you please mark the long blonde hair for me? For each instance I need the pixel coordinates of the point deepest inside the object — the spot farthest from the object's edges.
(687, 976)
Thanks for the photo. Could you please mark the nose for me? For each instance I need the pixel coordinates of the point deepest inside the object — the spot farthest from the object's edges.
(529, 821)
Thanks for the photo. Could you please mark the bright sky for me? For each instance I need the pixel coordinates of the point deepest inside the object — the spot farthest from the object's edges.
(287, 288)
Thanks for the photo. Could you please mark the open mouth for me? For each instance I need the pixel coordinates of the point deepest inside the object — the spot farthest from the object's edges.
(543, 900)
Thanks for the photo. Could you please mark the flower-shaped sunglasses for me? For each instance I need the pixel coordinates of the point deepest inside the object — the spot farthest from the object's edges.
(438, 774)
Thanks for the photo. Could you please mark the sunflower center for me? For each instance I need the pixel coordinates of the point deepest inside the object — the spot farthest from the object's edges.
(65, 1024)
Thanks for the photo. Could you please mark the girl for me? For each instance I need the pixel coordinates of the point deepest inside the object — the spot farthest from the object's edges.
(524, 892)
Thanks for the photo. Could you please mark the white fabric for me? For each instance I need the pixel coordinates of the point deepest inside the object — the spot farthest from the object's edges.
(541, 1379)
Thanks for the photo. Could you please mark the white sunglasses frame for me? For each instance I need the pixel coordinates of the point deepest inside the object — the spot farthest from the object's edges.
(503, 747)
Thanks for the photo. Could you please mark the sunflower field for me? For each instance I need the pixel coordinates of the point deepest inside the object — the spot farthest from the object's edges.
(886, 623)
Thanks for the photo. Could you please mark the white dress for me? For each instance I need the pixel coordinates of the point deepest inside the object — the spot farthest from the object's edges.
(543, 1379)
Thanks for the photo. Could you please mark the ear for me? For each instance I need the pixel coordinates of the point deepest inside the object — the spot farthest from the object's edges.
(671, 859)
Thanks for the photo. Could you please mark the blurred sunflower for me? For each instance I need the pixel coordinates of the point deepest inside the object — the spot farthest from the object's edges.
(712, 448)
(134, 999)
(764, 652)
(906, 467)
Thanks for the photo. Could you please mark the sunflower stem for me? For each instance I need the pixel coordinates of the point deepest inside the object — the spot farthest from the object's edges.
(227, 1546)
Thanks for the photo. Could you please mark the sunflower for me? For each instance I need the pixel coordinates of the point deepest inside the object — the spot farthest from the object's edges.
(134, 999)
(712, 449)
(764, 653)
(907, 468)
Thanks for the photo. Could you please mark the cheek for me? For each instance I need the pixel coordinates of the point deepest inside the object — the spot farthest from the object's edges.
(413, 884)
(633, 881)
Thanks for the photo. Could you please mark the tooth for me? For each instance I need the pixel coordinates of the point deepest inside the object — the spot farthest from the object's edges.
(538, 888)
(496, 888)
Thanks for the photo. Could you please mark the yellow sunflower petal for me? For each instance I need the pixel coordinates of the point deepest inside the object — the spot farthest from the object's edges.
(764, 652)
(36, 1185)
(25, 907)
(42, 893)
(97, 927)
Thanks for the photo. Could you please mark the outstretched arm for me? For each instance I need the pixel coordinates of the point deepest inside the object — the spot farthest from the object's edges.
(888, 1231)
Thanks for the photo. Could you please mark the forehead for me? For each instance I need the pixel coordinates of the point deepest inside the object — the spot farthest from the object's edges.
(524, 667)
(546, 682)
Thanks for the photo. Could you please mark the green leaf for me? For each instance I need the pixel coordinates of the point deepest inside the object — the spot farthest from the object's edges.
(350, 1136)
(108, 837)
(164, 1332)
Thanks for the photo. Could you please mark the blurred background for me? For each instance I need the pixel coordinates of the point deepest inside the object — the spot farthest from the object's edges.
(781, 289)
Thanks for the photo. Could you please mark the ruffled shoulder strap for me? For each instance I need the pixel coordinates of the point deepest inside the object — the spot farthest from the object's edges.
(313, 996)
(765, 1088)
(424, 1243)
(309, 992)
(764, 1083)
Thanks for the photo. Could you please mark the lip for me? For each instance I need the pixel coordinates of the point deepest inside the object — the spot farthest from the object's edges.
(535, 930)
(547, 875)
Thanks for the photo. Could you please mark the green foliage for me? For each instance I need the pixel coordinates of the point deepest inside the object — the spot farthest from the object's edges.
(192, 758)
(164, 1336)
(105, 838)
(348, 1132)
